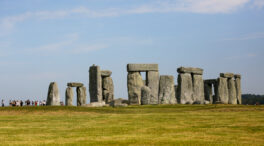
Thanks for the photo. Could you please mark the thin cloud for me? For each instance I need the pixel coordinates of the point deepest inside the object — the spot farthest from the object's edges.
(258, 4)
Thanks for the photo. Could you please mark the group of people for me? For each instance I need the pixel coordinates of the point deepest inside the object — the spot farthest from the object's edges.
(25, 103)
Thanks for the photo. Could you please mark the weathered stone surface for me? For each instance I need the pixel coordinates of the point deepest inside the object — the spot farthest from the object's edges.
(232, 91)
(74, 84)
(53, 97)
(215, 98)
(108, 89)
(145, 95)
(166, 90)
(69, 96)
(226, 75)
(237, 76)
(134, 85)
(152, 81)
(208, 92)
(96, 104)
(120, 102)
(81, 96)
(210, 81)
(192, 70)
(142, 67)
(238, 90)
(95, 84)
(176, 93)
(198, 89)
(106, 73)
(222, 91)
(185, 88)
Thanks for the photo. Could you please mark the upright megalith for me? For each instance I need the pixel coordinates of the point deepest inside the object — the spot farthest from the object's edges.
(152, 81)
(145, 95)
(208, 90)
(69, 96)
(53, 97)
(190, 85)
(222, 94)
(108, 89)
(167, 90)
(238, 88)
(95, 84)
(134, 85)
(232, 91)
(81, 96)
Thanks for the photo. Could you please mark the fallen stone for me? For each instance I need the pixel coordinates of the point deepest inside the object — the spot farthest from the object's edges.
(95, 84)
(69, 96)
(207, 102)
(226, 75)
(145, 95)
(142, 67)
(134, 85)
(81, 96)
(53, 97)
(185, 88)
(222, 91)
(152, 81)
(232, 91)
(192, 70)
(106, 73)
(238, 90)
(74, 84)
(108, 89)
(166, 90)
(96, 104)
(198, 88)
(119, 103)
(208, 92)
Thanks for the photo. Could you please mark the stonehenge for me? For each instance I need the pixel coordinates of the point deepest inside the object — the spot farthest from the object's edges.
(191, 88)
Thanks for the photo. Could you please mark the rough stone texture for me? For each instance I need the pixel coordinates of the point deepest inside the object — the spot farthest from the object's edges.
(74, 84)
(145, 95)
(53, 97)
(108, 89)
(210, 81)
(142, 67)
(208, 92)
(166, 90)
(176, 93)
(96, 104)
(192, 70)
(232, 91)
(238, 90)
(237, 76)
(81, 96)
(185, 88)
(120, 102)
(152, 81)
(106, 73)
(95, 84)
(134, 85)
(215, 98)
(226, 75)
(198, 89)
(69, 96)
(222, 91)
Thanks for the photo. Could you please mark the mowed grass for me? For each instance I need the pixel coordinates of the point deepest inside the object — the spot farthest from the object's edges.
(133, 125)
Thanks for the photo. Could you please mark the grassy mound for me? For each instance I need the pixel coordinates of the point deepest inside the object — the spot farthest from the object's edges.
(133, 125)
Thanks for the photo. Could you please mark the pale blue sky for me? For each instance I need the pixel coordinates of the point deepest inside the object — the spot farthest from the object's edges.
(45, 40)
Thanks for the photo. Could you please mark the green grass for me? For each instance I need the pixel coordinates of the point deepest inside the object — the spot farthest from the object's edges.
(133, 125)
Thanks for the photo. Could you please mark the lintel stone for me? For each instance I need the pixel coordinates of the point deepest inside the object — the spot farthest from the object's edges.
(192, 70)
(210, 81)
(106, 73)
(227, 75)
(74, 84)
(237, 76)
(142, 67)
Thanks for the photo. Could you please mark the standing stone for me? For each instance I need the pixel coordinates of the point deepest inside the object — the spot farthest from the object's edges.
(185, 88)
(81, 96)
(53, 97)
(166, 90)
(176, 93)
(134, 85)
(95, 84)
(198, 89)
(232, 91)
(238, 89)
(208, 92)
(222, 91)
(152, 81)
(145, 95)
(108, 89)
(69, 96)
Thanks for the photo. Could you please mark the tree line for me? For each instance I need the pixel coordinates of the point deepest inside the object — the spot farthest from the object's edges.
(252, 99)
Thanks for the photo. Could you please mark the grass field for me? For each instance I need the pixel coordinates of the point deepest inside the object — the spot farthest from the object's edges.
(135, 125)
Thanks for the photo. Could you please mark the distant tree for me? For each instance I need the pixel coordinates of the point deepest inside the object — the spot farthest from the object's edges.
(252, 99)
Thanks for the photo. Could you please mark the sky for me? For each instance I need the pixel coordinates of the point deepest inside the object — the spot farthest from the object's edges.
(42, 41)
